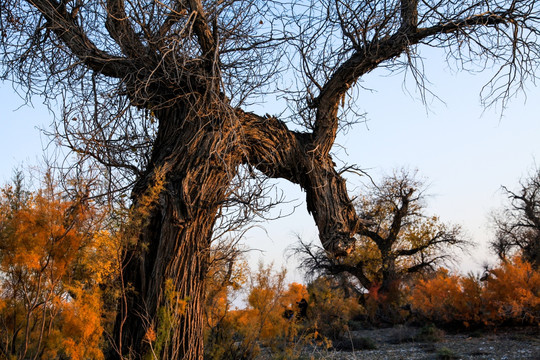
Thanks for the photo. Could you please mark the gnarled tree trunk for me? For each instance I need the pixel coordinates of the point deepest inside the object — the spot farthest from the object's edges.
(164, 273)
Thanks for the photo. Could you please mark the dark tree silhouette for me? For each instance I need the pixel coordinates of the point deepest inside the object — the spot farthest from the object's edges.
(398, 240)
(150, 87)
(517, 226)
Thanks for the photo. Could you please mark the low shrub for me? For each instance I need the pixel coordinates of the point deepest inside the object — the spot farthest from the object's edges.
(429, 333)
(445, 353)
(330, 311)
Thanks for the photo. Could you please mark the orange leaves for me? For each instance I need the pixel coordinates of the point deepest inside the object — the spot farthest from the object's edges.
(80, 325)
(150, 335)
(234, 334)
(262, 299)
(293, 295)
(237, 332)
(42, 236)
(268, 299)
(446, 298)
(513, 289)
(511, 292)
(50, 257)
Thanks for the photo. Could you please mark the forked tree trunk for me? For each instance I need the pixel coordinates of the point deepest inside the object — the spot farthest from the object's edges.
(169, 264)
(161, 315)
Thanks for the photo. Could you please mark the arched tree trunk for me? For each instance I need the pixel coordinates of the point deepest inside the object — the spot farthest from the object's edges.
(167, 267)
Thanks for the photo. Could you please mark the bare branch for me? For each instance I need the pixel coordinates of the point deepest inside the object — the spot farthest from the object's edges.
(66, 28)
(121, 30)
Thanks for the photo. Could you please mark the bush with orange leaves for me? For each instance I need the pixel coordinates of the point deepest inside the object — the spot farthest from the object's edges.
(52, 258)
(238, 334)
(509, 293)
(330, 310)
(227, 274)
(268, 300)
(513, 291)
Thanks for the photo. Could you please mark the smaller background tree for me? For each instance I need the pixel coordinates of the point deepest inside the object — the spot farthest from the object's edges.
(518, 223)
(399, 241)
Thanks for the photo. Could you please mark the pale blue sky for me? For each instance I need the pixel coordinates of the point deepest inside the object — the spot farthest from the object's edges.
(21, 142)
(466, 153)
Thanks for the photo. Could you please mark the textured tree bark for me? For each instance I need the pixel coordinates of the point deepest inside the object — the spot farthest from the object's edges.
(167, 267)
(169, 272)
(281, 153)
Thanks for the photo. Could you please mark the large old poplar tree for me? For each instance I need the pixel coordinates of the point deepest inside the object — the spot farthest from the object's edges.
(151, 88)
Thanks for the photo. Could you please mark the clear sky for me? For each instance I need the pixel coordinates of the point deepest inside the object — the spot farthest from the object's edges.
(466, 153)
(21, 142)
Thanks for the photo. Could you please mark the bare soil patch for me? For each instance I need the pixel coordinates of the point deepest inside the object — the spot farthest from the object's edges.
(405, 342)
